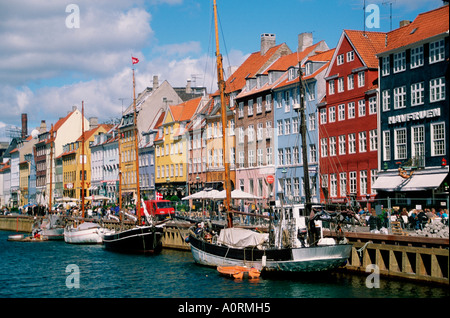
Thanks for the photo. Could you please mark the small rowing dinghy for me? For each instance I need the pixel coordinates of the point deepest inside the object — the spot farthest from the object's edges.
(238, 272)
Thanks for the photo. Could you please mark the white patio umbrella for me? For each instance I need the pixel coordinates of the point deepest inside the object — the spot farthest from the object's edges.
(237, 194)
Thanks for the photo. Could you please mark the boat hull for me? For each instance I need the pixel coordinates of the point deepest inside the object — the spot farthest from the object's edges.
(55, 234)
(139, 240)
(78, 235)
(307, 259)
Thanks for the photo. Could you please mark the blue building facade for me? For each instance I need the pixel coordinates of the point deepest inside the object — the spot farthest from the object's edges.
(414, 109)
(289, 171)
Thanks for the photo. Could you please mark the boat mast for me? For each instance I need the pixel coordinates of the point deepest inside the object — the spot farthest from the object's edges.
(120, 171)
(136, 149)
(51, 169)
(83, 176)
(221, 84)
(303, 134)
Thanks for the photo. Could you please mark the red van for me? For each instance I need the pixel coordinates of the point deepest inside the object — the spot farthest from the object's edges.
(161, 209)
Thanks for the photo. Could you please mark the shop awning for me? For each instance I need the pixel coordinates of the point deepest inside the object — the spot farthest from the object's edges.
(419, 181)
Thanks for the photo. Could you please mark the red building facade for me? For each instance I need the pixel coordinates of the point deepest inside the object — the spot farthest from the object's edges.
(348, 137)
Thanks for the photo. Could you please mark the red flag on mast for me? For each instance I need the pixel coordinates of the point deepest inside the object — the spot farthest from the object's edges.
(134, 60)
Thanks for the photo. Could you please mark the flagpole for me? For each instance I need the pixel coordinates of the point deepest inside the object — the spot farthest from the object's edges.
(135, 60)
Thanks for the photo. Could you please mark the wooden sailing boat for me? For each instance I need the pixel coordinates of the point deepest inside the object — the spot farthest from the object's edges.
(142, 238)
(287, 250)
(86, 232)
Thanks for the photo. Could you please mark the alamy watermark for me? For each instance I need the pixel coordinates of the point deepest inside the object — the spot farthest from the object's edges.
(73, 280)
(373, 19)
(73, 19)
(373, 280)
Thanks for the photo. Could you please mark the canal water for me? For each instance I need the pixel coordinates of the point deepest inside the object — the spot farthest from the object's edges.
(55, 269)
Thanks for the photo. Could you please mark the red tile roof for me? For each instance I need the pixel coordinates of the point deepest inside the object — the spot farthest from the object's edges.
(249, 68)
(367, 44)
(185, 111)
(425, 25)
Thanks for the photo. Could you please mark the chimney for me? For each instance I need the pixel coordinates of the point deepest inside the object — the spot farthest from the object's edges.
(268, 40)
(155, 82)
(305, 40)
(188, 87)
(93, 123)
(24, 126)
(74, 108)
(404, 23)
(43, 127)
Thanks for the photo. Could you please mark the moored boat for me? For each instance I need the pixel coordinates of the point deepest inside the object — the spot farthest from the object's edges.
(137, 240)
(84, 233)
(238, 272)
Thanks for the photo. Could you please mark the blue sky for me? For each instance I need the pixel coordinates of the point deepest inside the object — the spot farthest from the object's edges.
(46, 67)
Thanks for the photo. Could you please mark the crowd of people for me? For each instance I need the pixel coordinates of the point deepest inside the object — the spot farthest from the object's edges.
(414, 219)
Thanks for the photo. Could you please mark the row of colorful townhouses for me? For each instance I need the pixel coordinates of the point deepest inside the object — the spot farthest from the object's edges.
(376, 110)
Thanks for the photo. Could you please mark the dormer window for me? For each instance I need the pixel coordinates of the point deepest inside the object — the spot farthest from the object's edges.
(292, 73)
(309, 68)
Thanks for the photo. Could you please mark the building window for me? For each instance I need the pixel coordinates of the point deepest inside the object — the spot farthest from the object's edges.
(437, 51)
(418, 143)
(240, 113)
(260, 157)
(287, 101)
(331, 87)
(372, 105)
(279, 99)
(350, 82)
(362, 141)
(361, 108)
(250, 133)
(311, 91)
(296, 187)
(323, 147)
(312, 122)
(417, 56)
(361, 79)
(343, 184)
(351, 110)
(342, 145)
(352, 177)
(268, 102)
(269, 129)
(399, 97)
(385, 66)
(288, 156)
(351, 143)
(259, 105)
(250, 108)
(309, 68)
(333, 185)
(437, 89)
(386, 100)
(363, 182)
(332, 114)
(259, 132)
(341, 112)
(295, 125)
(312, 153)
(251, 158)
(323, 116)
(332, 146)
(295, 156)
(241, 135)
(280, 127)
(400, 143)
(417, 92)
(373, 140)
(269, 155)
(399, 62)
(350, 56)
(280, 157)
(438, 139)
(340, 84)
(386, 145)
(287, 126)
(340, 59)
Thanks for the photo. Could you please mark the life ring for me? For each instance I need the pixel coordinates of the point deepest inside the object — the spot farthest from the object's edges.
(402, 173)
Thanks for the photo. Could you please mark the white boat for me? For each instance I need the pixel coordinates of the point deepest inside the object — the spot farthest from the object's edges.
(52, 228)
(84, 233)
